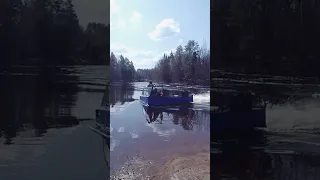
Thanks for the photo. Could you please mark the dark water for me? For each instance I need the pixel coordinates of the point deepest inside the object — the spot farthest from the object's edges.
(288, 149)
(156, 133)
(44, 118)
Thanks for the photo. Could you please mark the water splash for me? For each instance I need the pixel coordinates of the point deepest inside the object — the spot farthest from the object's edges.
(203, 98)
(304, 114)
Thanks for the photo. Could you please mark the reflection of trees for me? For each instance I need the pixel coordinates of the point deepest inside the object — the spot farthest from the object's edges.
(121, 93)
(246, 164)
(237, 159)
(61, 98)
(188, 118)
(296, 167)
(39, 100)
(175, 119)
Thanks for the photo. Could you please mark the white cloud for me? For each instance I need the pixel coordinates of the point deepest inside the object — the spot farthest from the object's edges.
(135, 17)
(119, 48)
(180, 40)
(114, 7)
(165, 29)
(140, 58)
(121, 23)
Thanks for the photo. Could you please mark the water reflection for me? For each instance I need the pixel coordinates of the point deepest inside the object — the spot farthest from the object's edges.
(121, 94)
(281, 151)
(38, 98)
(155, 133)
(186, 116)
(249, 156)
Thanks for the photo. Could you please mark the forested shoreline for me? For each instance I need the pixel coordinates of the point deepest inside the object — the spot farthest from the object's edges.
(47, 32)
(187, 65)
(274, 37)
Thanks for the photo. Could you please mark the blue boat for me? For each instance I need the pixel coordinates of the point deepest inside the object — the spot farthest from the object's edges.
(152, 96)
(242, 114)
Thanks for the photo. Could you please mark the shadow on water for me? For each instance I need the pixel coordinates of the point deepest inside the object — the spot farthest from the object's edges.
(37, 99)
(287, 149)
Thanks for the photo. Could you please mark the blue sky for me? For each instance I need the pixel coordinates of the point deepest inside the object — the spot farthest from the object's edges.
(143, 30)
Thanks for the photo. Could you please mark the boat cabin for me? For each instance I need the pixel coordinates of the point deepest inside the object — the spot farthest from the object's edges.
(154, 91)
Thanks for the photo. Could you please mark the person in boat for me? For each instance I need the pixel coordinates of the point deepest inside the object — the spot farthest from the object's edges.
(161, 92)
(155, 92)
(150, 84)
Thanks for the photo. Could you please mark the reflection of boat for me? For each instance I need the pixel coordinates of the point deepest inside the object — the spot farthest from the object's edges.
(152, 114)
(151, 96)
(239, 115)
(183, 115)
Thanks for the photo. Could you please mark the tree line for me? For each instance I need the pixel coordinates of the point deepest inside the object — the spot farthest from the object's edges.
(188, 64)
(278, 37)
(121, 69)
(47, 32)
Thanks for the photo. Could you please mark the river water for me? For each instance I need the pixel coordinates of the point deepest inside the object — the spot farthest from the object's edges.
(44, 118)
(288, 149)
(44, 132)
(171, 132)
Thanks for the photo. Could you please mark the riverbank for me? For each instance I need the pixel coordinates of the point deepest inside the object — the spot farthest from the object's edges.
(196, 167)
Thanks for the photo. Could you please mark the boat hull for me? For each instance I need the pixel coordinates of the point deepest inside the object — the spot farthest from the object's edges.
(238, 121)
(163, 101)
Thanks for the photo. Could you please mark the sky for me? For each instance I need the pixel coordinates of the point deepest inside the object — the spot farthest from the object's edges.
(143, 30)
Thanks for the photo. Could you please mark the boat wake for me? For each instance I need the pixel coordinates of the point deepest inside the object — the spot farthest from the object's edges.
(203, 98)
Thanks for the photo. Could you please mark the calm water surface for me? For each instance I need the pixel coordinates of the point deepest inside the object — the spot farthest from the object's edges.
(44, 118)
(175, 131)
(288, 149)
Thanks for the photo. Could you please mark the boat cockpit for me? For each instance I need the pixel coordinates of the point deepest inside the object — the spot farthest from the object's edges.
(152, 91)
